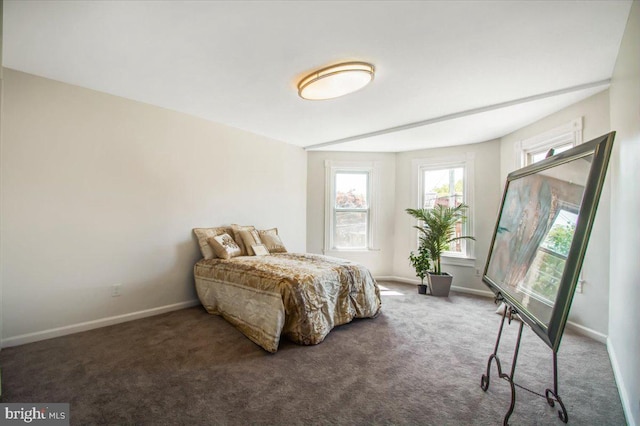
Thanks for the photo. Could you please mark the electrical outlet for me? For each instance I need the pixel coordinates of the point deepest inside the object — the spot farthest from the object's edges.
(477, 272)
(115, 290)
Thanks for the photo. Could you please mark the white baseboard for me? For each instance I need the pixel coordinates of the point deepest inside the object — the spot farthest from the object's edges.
(483, 293)
(90, 325)
(585, 331)
(622, 388)
(415, 281)
(398, 280)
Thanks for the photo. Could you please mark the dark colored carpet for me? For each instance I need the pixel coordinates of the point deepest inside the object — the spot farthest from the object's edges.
(419, 362)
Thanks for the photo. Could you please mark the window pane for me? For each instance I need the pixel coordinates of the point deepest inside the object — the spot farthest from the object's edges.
(445, 187)
(351, 191)
(543, 278)
(350, 230)
(562, 148)
(534, 157)
(544, 275)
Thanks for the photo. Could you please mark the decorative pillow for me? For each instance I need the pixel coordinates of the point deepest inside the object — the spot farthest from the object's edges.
(272, 241)
(250, 238)
(260, 250)
(238, 238)
(223, 246)
(205, 233)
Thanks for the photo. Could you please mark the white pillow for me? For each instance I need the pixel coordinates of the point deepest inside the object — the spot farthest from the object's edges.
(224, 246)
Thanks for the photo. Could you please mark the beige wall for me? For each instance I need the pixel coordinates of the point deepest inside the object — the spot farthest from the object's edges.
(589, 308)
(487, 189)
(379, 261)
(624, 312)
(99, 190)
(394, 235)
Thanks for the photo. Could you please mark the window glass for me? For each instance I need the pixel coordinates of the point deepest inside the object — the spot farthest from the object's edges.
(351, 190)
(351, 210)
(544, 275)
(445, 187)
(350, 230)
(534, 157)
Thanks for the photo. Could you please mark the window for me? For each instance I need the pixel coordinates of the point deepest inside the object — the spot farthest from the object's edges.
(544, 275)
(446, 181)
(560, 139)
(445, 187)
(541, 154)
(349, 212)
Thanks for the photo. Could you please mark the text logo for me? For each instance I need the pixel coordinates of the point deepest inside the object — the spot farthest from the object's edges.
(40, 414)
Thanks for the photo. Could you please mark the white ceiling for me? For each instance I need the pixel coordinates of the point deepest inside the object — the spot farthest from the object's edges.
(454, 72)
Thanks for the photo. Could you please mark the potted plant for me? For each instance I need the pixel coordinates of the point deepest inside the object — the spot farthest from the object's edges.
(421, 263)
(437, 226)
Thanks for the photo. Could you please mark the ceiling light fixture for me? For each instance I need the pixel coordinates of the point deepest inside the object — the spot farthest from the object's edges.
(335, 81)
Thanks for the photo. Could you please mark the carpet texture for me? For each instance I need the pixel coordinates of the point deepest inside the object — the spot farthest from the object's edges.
(419, 362)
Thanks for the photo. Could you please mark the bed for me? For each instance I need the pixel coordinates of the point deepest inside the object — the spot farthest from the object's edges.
(297, 295)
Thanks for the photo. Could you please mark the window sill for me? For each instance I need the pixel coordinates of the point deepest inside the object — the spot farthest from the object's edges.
(333, 252)
(468, 262)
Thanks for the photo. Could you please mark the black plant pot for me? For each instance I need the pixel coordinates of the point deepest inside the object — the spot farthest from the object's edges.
(422, 289)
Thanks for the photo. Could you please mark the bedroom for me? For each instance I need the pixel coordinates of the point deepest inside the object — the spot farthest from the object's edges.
(99, 190)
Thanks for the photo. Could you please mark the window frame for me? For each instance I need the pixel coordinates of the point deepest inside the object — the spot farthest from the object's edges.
(331, 169)
(466, 161)
(569, 133)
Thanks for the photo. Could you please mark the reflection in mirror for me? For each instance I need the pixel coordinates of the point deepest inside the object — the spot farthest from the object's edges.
(543, 278)
(535, 232)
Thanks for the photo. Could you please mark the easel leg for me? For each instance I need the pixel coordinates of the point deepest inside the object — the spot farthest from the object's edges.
(509, 377)
(552, 395)
(486, 378)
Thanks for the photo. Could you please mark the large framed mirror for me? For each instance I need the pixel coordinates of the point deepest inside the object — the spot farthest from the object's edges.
(542, 232)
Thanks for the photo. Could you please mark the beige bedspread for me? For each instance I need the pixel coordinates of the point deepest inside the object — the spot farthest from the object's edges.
(302, 296)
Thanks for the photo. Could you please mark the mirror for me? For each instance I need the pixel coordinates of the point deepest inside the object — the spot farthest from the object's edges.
(542, 232)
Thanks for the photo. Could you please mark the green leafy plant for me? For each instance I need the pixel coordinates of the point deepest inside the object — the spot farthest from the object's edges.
(421, 262)
(437, 226)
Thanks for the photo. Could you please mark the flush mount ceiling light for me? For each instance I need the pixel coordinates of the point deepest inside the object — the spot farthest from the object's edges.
(335, 81)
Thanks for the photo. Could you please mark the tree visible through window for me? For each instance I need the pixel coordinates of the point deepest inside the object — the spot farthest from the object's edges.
(351, 210)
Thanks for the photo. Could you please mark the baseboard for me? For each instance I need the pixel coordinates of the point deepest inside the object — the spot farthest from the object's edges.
(398, 280)
(415, 281)
(585, 331)
(622, 388)
(483, 293)
(90, 325)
